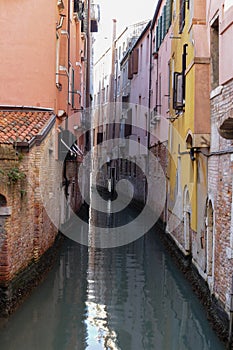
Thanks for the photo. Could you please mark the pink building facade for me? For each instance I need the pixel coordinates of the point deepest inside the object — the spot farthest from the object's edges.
(41, 30)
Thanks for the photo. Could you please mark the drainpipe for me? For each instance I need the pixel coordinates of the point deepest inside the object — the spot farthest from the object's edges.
(150, 91)
(88, 55)
(68, 29)
(195, 173)
(149, 103)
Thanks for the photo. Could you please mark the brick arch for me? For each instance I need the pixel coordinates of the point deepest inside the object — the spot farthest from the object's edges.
(226, 129)
(3, 200)
(189, 139)
(225, 125)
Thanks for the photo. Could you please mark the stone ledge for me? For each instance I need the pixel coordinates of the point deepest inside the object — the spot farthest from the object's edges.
(216, 91)
(5, 211)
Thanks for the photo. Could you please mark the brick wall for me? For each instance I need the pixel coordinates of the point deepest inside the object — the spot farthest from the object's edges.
(30, 229)
(220, 193)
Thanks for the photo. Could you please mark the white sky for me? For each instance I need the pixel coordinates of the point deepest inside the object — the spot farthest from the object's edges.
(126, 12)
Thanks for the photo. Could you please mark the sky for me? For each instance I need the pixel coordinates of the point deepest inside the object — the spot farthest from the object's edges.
(126, 12)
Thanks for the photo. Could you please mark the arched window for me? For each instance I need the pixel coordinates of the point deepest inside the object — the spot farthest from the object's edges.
(4, 209)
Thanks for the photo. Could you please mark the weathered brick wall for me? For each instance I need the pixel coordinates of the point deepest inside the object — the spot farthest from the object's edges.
(28, 232)
(220, 193)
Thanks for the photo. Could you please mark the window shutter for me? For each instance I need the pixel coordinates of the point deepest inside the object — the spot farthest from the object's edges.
(168, 14)
(157, 38)
(164, 21)
(182, 15)
(178, 91)
(135, 61)
(130, 67)
(159, 32)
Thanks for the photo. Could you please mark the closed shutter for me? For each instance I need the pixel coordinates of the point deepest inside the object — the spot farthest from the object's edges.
(164, 22)
(159, 32)
(182, 15)
(157, 39)
(168, 14)
(135, 61)
(130, 67)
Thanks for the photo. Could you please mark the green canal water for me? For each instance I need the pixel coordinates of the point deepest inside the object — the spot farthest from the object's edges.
(129, 298)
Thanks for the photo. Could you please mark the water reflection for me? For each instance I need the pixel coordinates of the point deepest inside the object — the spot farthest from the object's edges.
(129, 298)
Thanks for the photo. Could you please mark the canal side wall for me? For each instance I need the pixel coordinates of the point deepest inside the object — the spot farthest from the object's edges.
(220, 166)
(215, 312)
(28, 224)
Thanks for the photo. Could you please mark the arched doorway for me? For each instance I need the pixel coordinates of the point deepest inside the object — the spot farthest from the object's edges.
(187, 223)
(209, 238)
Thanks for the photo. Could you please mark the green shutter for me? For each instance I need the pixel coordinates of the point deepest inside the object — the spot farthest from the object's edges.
(168, 14)
(164, 21)
(157, 38)
(160, 30)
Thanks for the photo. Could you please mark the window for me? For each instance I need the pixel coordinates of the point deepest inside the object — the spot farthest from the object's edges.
(76, 6)
(182, 15)
(184, 55)
(178, 103)
(128, 125)
(99, 138)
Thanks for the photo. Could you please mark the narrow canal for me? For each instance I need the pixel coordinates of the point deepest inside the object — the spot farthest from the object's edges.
(130, 298)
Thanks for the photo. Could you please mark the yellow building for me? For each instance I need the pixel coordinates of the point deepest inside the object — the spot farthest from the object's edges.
(189, 130)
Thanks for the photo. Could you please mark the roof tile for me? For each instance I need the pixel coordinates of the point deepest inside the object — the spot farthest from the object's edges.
(22, 126)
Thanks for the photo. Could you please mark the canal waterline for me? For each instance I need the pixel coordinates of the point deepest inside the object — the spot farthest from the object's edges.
(129, 297)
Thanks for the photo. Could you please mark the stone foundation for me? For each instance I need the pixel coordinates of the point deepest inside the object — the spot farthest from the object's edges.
(13, 293)
(215, 312)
